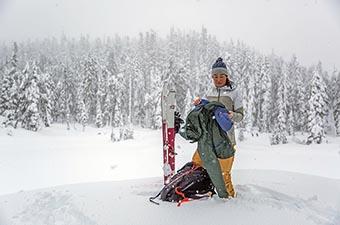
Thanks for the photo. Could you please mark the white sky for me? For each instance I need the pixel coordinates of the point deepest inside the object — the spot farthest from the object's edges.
(308, 28)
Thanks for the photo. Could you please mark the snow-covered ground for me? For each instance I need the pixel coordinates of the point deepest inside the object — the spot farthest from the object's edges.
(71, 177)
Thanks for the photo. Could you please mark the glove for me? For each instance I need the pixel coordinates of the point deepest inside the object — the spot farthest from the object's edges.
(178, 121)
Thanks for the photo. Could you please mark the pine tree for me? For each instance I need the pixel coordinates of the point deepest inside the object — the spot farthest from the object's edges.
(118, 90)
(67, 114)
(316, 113)
(99, 115)
(279, 135)
(336, 106)
(90, 83)
(289, 69)
(290, 123)
(181, 84)
(19, 99)
(266, 95)
(6, 103)
(31, 117)
(153, 102)
(9, 90)
(81, 112)
(108, 72)
(83, 115)
(58, 103)
(257, 91)
(188, 104)
(244, 69)
(107, 110)
(5, 94)
(300, 102)
(100, 96)
(250, 104)
(324, 92)
(276, 75)
(46, 94)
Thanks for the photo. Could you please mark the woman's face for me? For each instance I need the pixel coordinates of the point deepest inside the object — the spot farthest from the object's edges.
(219, 79)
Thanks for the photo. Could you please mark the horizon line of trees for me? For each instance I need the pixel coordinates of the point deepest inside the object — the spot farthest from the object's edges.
(116, 81)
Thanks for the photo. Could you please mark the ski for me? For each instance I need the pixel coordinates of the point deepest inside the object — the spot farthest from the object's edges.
(168, 103)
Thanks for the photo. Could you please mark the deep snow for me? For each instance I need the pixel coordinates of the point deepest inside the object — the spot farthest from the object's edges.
(285, 184)
(264, 197)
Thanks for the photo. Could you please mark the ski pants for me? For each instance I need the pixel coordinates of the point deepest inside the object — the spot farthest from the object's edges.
(226, 165)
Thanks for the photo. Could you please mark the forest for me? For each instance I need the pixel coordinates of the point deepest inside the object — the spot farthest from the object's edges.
(116, 81)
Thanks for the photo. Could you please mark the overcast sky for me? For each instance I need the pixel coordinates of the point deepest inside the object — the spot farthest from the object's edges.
(308, 28)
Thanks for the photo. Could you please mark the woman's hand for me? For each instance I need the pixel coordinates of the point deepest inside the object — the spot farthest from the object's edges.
(196, 101)
(230, 114)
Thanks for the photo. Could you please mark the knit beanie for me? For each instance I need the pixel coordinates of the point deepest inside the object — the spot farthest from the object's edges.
(219, 67)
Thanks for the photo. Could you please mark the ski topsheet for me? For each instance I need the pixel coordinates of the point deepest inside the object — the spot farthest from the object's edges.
(168, 131)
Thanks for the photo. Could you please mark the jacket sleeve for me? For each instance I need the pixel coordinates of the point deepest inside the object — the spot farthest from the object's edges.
(238, 115)
(183, 133)
(238, 108)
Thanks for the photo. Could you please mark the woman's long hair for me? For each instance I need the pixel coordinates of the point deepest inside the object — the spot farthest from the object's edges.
(228, 82)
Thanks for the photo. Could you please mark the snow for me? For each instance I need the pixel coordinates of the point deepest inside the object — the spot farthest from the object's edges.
(264, 197)
(59, 176)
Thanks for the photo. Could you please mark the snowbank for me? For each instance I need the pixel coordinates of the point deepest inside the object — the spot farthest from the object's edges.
(264, 197)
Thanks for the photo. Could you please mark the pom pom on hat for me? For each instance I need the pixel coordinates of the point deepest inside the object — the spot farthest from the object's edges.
(219, 67)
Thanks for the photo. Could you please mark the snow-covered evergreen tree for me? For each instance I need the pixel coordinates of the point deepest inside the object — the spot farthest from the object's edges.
(181, 84)
(90, 83)
(250, 107)
(6, 103)
(46, 94)
(266, 86)
(99, 114)
(19, 99)
(279, 135)
(153, 101)
(324, 92)
(58, 105)
(108, 72)
(316, 112)
(290, 123)
(118, 93)
(336, 106)
(6, 92)
(188, 104)
(257, 91)
(31, 117)
(83, 114)
(9, 89)
(300, 102)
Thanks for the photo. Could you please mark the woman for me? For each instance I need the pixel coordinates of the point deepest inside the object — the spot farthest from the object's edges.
(225, 92)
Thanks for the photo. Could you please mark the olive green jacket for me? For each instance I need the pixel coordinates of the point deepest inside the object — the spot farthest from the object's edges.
(231, 98)
(213, 142)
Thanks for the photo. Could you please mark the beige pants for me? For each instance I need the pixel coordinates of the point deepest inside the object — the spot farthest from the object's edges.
(226, 165)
